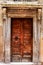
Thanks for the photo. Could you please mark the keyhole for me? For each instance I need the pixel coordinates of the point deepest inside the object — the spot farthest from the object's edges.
(16, 38)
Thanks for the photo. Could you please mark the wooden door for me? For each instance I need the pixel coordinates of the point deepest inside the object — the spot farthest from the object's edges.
(21, 39)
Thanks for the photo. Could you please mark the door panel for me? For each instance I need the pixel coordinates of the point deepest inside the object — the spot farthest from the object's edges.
(21, 39)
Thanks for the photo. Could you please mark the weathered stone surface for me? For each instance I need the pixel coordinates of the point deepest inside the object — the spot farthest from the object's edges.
(1, 33)
(41, 39)
(1, 37)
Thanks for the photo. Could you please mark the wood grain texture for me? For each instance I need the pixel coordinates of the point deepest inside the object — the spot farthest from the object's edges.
(22, 35)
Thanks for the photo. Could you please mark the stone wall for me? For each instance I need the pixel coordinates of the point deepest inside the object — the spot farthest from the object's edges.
(41, 38)
(1, 37)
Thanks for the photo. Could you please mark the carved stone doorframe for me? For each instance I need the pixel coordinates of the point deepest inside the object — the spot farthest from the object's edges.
(36, 15)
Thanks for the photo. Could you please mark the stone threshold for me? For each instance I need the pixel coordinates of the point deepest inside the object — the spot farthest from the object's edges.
(20, 63)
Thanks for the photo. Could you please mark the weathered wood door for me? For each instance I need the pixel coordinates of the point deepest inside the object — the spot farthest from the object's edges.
(21, 39)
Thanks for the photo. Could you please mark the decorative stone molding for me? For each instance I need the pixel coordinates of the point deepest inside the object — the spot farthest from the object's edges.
(30, 13)
(39, 14)
(4, 14)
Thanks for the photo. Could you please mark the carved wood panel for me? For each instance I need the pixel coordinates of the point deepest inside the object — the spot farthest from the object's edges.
(22, 39)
